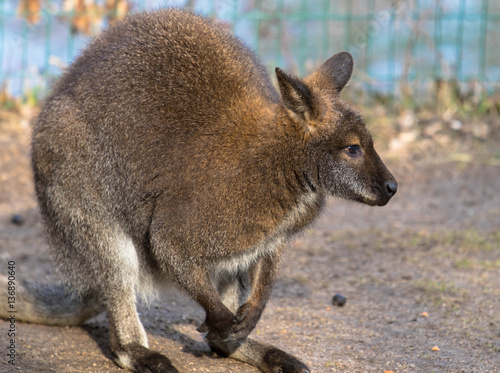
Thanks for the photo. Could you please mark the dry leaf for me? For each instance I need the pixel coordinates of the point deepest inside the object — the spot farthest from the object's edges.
(117, 9)
(30, 9)
(85, 15)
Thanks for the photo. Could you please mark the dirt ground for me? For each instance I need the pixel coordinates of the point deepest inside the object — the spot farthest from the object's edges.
(421, 277)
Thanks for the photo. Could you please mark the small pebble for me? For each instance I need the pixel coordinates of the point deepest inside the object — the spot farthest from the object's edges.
(17, 219)
(339, 300)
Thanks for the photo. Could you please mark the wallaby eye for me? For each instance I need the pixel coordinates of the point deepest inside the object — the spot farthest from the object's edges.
(353, 150)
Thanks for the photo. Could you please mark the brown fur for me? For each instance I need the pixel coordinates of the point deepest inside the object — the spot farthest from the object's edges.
(165, 152)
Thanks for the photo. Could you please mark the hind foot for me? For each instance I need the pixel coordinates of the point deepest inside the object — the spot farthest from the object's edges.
(277, 361)
(143, 360)
(267, 358)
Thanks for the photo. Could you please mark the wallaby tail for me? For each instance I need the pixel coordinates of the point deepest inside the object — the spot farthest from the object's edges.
(49, 304)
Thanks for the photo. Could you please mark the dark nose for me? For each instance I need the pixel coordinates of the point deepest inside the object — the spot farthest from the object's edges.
(391, 187)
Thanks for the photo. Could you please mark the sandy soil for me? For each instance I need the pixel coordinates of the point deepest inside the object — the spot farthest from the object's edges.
(421, 277)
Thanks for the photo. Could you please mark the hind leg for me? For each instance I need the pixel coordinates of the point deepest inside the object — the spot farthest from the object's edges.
(98, 258)
(248, 293)
(128, 338)
(117, 288)
(266, 357)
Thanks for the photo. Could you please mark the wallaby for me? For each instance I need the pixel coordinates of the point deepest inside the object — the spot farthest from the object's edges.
(165, 154)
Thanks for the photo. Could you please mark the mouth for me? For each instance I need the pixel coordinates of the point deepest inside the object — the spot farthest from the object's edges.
(376, 198)
(367, 199)
(373, 202)
(383, 202)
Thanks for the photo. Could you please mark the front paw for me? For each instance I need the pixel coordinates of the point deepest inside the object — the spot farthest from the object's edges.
(245, 320)
(275, 361)
(218, 326)
(226, 327)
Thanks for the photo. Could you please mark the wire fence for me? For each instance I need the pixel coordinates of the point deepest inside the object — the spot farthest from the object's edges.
(401, 48)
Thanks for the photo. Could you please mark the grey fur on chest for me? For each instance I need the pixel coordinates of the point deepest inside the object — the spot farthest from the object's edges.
(306, 210)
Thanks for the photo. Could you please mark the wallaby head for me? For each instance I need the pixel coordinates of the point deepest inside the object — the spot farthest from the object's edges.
(341, 159)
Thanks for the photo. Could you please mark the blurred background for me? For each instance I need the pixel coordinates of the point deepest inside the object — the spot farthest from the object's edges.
(410, 53)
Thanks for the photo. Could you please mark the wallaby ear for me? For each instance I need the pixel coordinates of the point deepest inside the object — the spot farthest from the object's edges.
(295, 94)
(338, 68)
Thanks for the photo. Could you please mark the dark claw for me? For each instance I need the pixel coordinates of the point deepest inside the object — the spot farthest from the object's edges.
(242, 314)
(238, 319)
(203, 328)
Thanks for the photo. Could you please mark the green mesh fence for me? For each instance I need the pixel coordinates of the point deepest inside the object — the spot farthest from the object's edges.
(401, 48)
